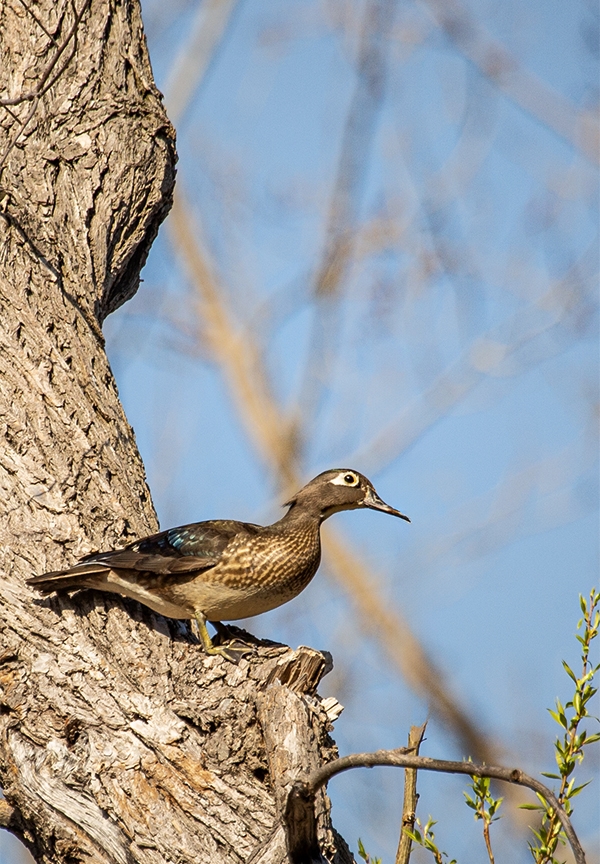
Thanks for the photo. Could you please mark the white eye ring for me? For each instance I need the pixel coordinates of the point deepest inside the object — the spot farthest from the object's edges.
(346, 478)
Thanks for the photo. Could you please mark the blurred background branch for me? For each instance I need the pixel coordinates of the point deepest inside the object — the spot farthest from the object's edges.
(278, 438)
(344, 209)
(578, 128)
(275, 440)
(193, 59)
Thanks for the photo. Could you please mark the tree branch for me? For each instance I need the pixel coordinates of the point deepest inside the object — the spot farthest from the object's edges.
(409, 806)
(340, 230)
(303, 791)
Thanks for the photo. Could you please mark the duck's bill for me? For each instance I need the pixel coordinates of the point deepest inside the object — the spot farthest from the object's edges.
(374, 502)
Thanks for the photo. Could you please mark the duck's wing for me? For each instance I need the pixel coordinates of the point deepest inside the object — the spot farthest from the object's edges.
(187, 549)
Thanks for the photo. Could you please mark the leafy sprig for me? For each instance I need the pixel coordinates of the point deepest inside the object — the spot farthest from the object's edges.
(570, 745)
(365, 855)
(424, 836)
(485, 807)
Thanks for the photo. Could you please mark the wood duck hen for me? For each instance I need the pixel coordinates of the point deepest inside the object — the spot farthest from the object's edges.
(222, 569)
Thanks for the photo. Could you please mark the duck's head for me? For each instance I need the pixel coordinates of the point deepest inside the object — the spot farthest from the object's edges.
(339, 489)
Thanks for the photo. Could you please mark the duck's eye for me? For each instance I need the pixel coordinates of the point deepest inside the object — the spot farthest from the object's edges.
(348, 479)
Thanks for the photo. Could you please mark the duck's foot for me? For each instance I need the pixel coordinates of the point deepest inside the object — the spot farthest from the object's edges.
(233, 633)
(233, 650)
(233, 640)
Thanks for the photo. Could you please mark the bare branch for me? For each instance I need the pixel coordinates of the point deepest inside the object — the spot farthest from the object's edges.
(356, 146)
(40, 24)
(274, 436)
(504, 351)
(491, 521)
(386, 624)
(400, 758)
(43, 84)
(22, 125)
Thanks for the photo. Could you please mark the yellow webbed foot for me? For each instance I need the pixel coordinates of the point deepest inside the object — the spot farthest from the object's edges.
(233, 651)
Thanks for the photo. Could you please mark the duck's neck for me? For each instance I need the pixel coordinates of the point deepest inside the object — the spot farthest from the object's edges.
(301, 515)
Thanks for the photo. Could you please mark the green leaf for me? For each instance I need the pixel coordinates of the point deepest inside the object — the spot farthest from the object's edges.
(569, 671)
(552, 776)
(361, 850)
(494, 806)
(567, 768)
(578, 789)
(589, 674)
(560, 718)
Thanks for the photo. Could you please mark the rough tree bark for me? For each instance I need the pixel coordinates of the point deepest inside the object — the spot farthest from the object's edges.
(119, 740)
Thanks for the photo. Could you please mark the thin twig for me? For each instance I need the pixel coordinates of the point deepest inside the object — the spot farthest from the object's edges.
(486, 834)
(356, 146)
(54, 78)
(37, 21)
(22, 126)
(409, 806)
(563, 302)
(43, 84)
(273, 434)
(39, 88)
(387, 624)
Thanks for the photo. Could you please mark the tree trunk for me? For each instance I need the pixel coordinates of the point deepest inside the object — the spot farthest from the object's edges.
(119, 740)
